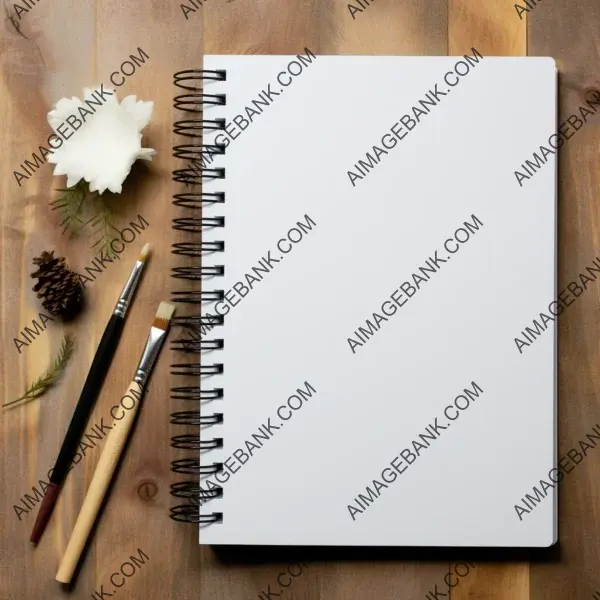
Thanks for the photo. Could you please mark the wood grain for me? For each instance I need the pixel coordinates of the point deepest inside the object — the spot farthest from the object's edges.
(60, 46)
(561, 31)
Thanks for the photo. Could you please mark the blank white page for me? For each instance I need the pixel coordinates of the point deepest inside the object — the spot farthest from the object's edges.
(444, 205)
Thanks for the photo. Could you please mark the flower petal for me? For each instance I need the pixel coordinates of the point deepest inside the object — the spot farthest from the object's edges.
(106, 144)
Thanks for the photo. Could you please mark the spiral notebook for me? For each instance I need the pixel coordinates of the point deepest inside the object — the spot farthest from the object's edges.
(374, 358)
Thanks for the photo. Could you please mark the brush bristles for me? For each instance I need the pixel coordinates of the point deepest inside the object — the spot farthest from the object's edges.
(145, 252)
(163, 315)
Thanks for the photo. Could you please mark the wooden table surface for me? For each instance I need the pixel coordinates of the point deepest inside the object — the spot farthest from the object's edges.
(56, 47)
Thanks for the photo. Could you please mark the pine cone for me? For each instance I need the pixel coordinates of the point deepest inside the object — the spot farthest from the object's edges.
(60, 288)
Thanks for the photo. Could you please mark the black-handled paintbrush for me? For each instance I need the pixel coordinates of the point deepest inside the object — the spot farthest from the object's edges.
(93, 383)
(115, 445)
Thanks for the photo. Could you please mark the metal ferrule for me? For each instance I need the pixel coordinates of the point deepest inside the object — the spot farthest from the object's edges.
(155, 340)
(129, 290)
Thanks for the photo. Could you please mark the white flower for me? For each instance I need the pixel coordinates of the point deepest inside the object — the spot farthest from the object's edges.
(106, 144)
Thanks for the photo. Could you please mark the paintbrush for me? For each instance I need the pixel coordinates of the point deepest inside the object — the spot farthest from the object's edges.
(115, 442)
(93, 384)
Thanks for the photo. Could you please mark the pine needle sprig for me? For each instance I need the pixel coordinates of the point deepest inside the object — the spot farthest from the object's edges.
(81, 209)
(71, 206)
(102, 228)
(42, 384)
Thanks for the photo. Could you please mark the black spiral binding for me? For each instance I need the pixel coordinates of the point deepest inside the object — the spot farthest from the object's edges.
(193, 200)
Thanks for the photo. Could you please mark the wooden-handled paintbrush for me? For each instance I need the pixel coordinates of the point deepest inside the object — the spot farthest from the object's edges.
(115, 442)
(91, 388)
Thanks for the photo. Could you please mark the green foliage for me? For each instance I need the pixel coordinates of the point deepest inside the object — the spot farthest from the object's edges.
(42, 384)
(81, 210)
(71, 206)
(103, 232)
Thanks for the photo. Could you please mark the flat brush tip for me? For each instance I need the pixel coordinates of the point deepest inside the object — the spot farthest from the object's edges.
(163, 315)
(145, 252)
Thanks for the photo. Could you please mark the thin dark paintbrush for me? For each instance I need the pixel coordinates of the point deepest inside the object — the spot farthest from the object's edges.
(114, 445)
(100, 365)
